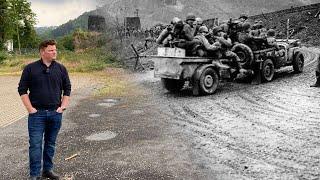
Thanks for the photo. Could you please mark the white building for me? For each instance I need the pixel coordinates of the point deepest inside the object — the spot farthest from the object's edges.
(9, 45)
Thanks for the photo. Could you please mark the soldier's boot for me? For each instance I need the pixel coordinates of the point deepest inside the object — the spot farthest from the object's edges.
(317, 84)
(240, 69)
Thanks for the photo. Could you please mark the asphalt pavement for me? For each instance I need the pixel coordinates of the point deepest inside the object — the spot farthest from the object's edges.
(107, 138)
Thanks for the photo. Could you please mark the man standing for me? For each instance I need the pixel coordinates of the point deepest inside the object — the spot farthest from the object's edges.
(49, 91)
(317, 84)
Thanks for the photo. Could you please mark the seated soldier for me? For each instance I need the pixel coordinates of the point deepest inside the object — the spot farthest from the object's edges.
(186, 35)
(255, 43)
(271, 38)
(167, 34)
(204, 48)
(244, 36)
(226, 44)
(263, 30)
(243, 18)
(255, 30)
(197, 24)
(225, 28)
(189, 27)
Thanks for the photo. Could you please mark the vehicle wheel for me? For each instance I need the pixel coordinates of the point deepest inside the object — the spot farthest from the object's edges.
(208, 81)
(298, 62)
(245, 54)
(267, 70)
(172, 85)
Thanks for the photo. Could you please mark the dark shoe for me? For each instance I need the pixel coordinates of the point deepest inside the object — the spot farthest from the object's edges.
(50, 175)
(315, 85)
(34, 178)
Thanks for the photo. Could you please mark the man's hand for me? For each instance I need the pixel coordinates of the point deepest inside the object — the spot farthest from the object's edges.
(32, 110)
(61, 109)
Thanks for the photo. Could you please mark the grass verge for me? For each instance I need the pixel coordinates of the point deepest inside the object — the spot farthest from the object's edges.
(86, 61)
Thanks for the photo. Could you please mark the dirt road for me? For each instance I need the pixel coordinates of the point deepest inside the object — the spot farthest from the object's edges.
(243, 131)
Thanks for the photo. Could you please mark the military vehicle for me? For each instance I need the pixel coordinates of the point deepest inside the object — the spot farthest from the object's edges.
(266, 61)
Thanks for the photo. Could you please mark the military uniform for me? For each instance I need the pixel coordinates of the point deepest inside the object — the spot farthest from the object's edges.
(206, 49)
(164, 37)
(271, 38)
(171, 32)
(185, 35)
(224, 51)
(317, 84)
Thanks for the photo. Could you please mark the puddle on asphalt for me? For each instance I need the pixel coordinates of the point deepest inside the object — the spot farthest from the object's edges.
(94, 115)
(102, 136)
(137, 112)
(106, 104)
(109, 102)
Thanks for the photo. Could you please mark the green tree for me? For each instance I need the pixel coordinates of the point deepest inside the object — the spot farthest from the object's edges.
(4, 19)
(17, 23)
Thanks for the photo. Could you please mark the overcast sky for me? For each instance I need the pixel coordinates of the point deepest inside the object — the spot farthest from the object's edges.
(57, 12)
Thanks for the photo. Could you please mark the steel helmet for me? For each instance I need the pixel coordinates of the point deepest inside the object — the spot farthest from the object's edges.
(191, 16)
(216, 29)
(246, 26)
(175, 20)
(203, 29)
(244, 16)
(271, 32)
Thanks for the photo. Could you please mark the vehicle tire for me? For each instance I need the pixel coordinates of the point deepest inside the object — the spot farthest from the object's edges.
(267, 71)
(298, 62)
(172, 85)
(245, 54)
(208, 81)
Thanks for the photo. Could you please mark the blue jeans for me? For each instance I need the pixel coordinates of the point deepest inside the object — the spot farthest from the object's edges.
(43, 125)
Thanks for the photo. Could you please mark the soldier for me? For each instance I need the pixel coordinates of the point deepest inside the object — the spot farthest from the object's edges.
(243, 18)
(222, 38)
(225, 28)
(189, 27)
(244, 36)
(198, 23)
(255, 43)
(271, 38)
(186, 34)
(167, 34)
(206, 47)
(255, 30)
(263, 31)
(317, 84)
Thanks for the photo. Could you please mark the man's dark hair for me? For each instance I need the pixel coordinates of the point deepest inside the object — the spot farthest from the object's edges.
(46, 43)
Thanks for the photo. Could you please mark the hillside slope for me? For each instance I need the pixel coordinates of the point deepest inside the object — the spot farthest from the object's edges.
(159, 11)
(155, 11)
(303, 22)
